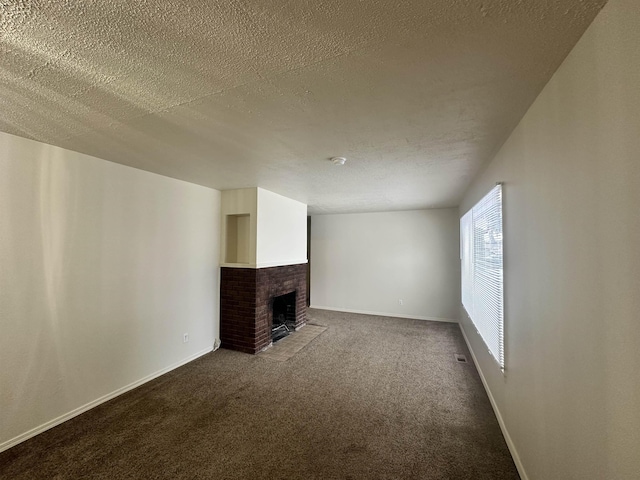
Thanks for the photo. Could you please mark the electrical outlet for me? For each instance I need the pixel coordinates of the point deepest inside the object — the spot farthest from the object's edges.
(400, 302)
(185, 338)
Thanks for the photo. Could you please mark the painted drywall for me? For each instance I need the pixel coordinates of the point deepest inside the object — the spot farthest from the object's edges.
(570, 399)
(103, 268)
(369, 262)
(277, 229)
(282, 230)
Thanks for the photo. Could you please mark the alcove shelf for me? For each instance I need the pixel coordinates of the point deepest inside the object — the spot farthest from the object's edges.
(238, 239)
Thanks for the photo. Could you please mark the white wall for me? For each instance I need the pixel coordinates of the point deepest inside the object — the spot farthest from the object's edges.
(570, 400)
(278, 227)
(102, 269)
(367, 262)
(282, 230)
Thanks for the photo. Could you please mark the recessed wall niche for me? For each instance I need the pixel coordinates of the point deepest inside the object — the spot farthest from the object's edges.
(238, 238)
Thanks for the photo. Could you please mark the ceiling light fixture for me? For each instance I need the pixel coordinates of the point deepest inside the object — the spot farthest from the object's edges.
(338, 160)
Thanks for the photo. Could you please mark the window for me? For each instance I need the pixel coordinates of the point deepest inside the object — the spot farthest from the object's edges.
(482, 272)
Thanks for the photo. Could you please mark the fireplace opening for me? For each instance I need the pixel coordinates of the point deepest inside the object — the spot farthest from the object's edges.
(284, 316)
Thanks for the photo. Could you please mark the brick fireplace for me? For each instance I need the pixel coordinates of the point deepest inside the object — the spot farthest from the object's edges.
(246, 303)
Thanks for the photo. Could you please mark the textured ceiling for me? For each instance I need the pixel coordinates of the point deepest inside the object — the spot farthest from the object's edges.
(235, 93)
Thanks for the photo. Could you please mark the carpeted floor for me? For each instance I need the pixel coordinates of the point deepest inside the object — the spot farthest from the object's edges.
(369, 398)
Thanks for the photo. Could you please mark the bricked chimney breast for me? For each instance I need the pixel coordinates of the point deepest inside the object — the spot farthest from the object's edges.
(246, 303)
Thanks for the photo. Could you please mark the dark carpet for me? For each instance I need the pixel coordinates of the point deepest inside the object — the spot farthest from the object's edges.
(369, 398)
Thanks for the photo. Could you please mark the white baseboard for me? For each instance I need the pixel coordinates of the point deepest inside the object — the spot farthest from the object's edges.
(503, 427)
(105, 398)
(385, 314)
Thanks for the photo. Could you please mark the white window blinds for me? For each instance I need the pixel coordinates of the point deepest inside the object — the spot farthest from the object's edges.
(482, 272)
(466, 255)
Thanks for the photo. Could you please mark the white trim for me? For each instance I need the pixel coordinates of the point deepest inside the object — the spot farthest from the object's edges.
(263, 265)
(385, 314)
(281, 264)
(94, 403)
(503, 427)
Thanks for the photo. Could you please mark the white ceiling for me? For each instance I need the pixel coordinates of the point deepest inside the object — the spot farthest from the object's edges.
(417, 94)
